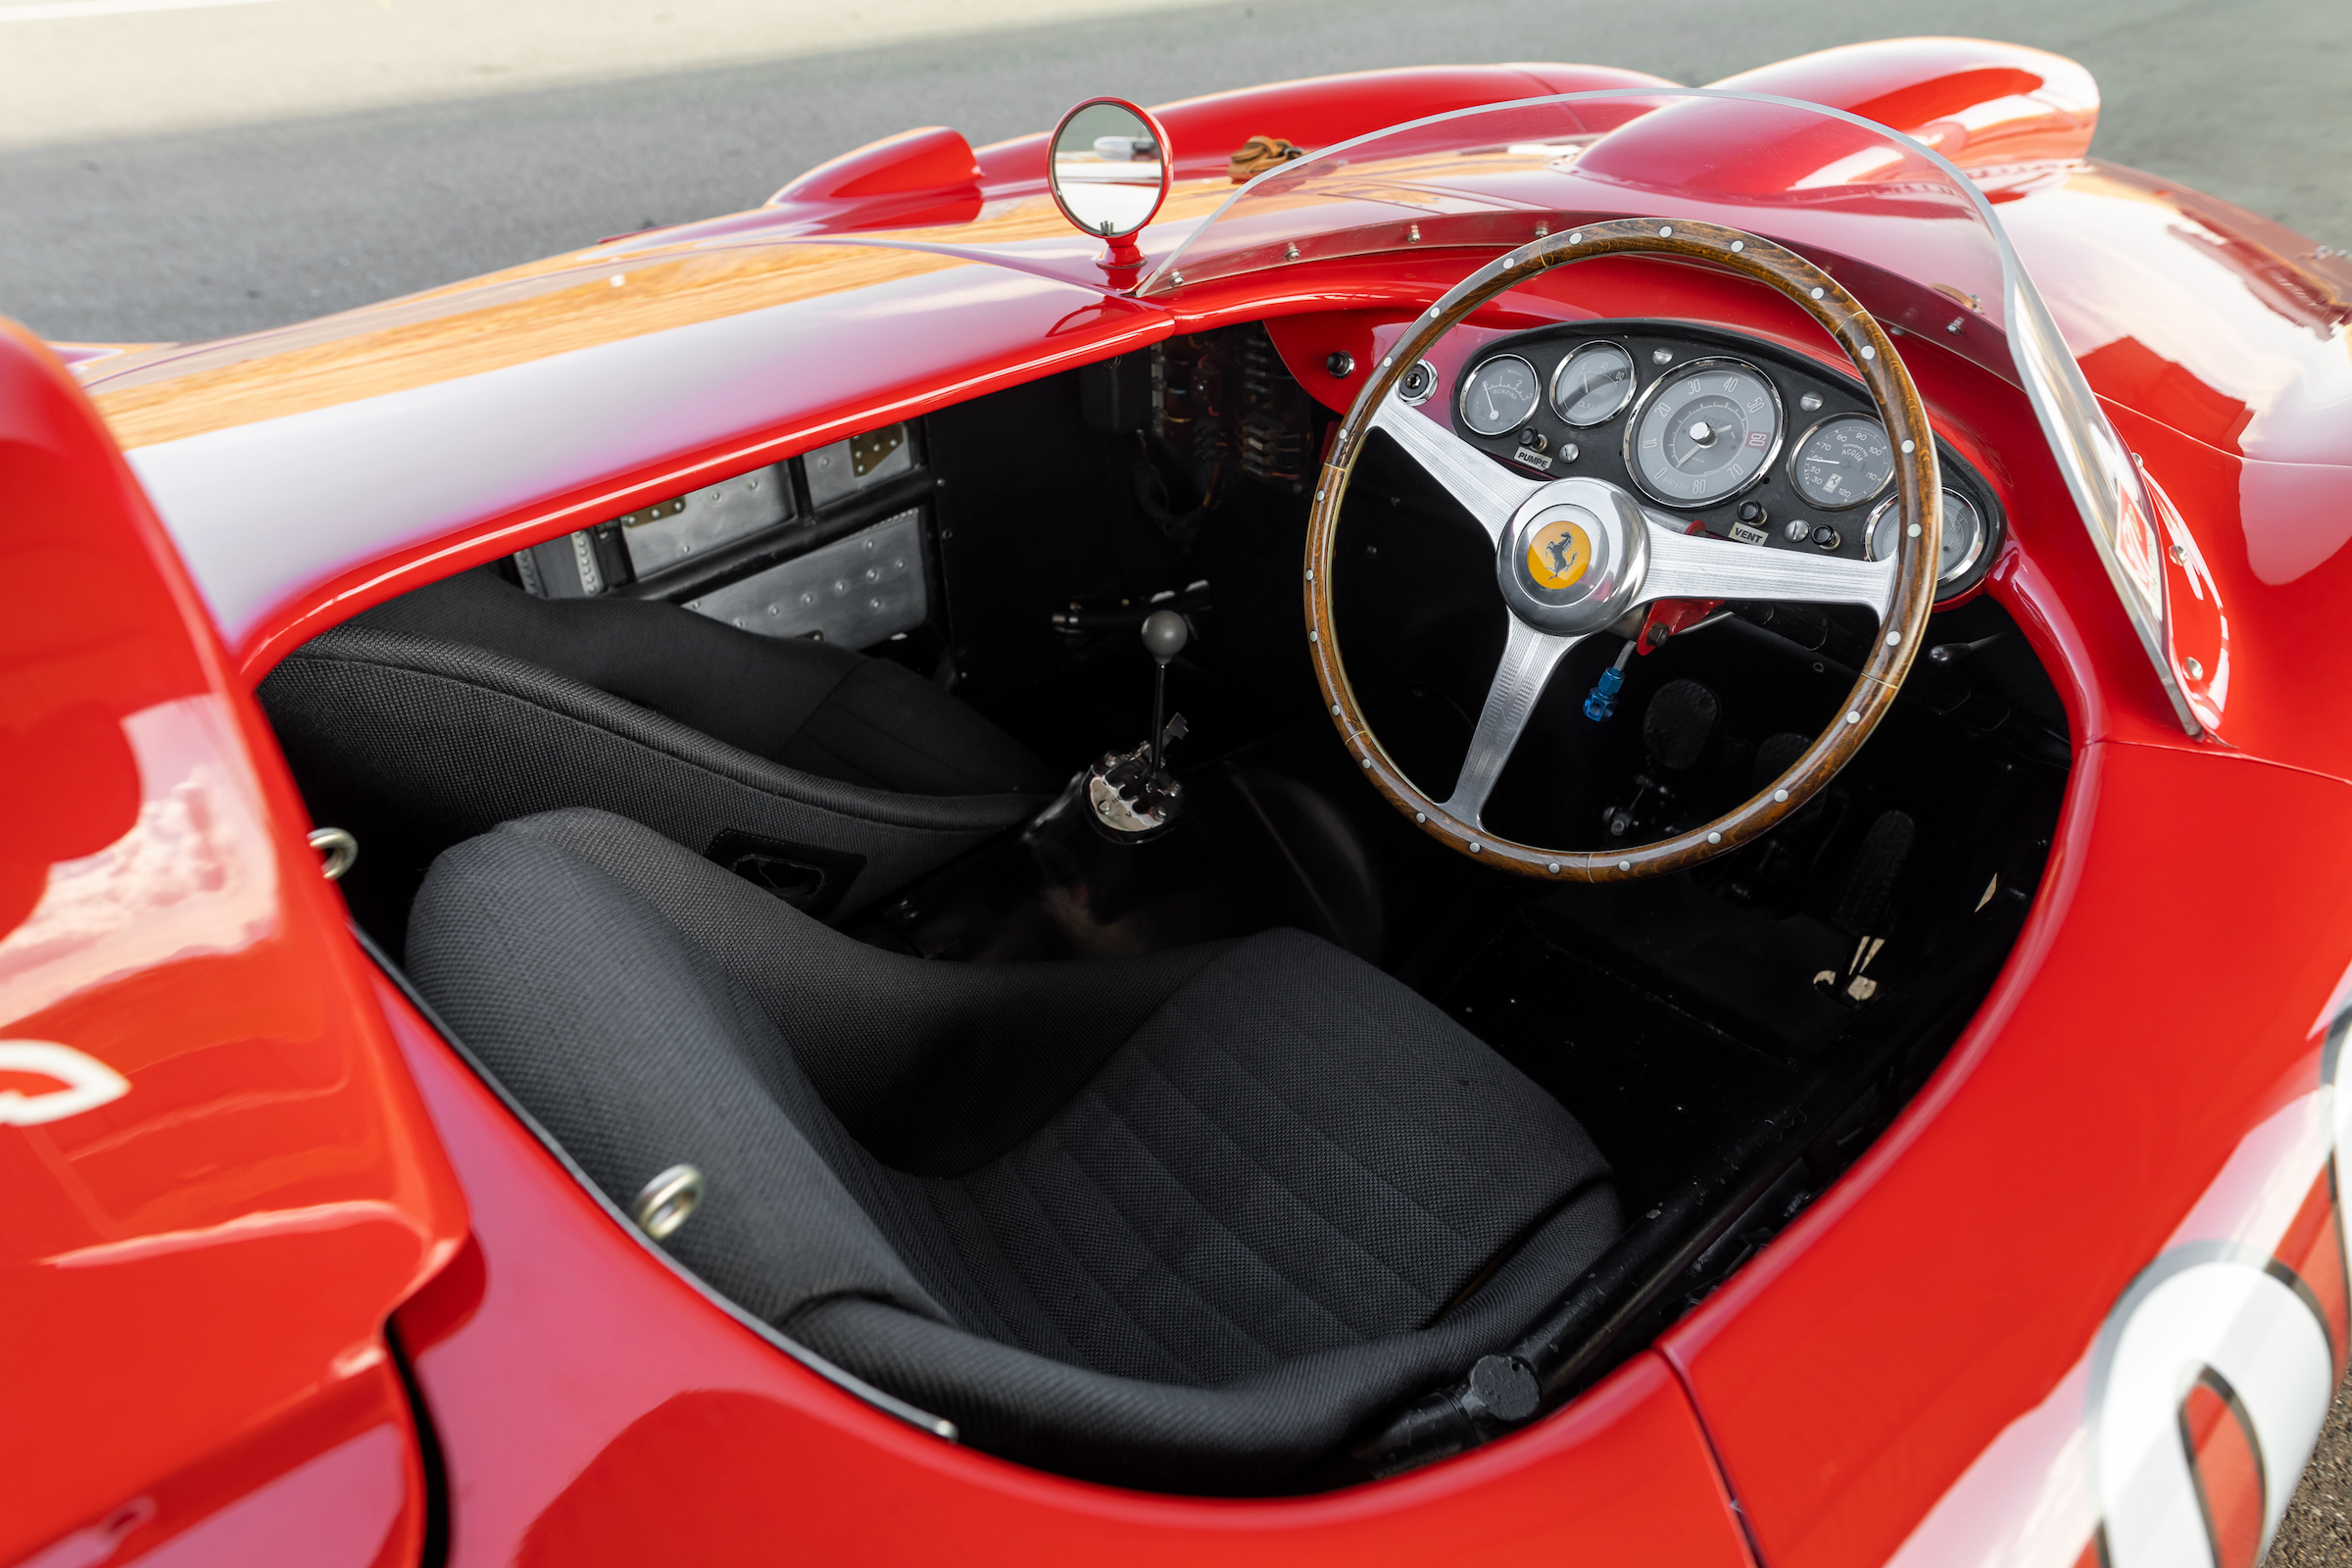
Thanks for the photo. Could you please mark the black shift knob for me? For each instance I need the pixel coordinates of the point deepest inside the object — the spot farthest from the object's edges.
(1165, 634)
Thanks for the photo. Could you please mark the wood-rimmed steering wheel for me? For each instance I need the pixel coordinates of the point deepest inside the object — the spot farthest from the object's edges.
(1620, 555)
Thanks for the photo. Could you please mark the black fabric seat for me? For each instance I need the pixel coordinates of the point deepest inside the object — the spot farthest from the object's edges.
(826, 710)
(1182, 1221)
(439, 714)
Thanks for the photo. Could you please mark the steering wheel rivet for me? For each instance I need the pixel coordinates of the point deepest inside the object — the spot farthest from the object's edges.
(1577, 238)
(1335, 710)
(1738, 245)
(1913, 531)
(1853, 716)
(1665, 232)
(1367, 763)
(1714, 838)
(1893, 638)
(1779, 795)
(1314, 636)
(1420, 816)
(1910, 446)
(1817, 293)
(1476, 847)
(1624, 865)
(1554, 868)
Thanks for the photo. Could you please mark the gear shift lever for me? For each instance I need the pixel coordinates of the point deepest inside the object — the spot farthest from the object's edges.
(1134, 797)
(1164, 636)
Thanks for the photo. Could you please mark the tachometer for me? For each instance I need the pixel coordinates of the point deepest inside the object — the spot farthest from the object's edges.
(1705, 433)
(1499, 395)
(1963, 535)
(1842, 461)
(1593, 385)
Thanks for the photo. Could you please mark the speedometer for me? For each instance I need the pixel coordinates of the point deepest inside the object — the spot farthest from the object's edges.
(1705, 433)
(1499, 395)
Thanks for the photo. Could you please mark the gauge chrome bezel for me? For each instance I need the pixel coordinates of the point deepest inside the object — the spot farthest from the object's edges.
(1413, 399)
(1649, 395)
(1633, 382)
(1535, 379)
(1796, 456)
(1967, 563)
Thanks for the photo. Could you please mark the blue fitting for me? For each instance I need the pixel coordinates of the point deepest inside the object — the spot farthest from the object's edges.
(1602, 705)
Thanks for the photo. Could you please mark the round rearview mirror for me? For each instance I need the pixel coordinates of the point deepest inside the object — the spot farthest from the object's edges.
(1109, 168)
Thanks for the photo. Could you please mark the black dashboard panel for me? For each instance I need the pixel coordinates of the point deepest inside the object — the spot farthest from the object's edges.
(1763, 506)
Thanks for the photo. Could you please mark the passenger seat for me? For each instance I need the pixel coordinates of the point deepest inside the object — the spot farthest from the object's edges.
(826, 775)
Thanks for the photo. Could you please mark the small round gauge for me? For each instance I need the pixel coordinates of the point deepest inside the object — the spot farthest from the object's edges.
(1593, 385)
(1705, 433)
(1499, 395)
(1963, 535)
(1842, 461)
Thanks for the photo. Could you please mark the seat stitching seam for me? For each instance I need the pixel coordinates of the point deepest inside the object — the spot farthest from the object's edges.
(1300, 1198)
(1150, 1252)
(1349, 1155)
(1134, 1136)
(1053, 1229)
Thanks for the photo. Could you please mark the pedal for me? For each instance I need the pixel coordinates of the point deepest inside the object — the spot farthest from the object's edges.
(1675, 730)
(1865, 906)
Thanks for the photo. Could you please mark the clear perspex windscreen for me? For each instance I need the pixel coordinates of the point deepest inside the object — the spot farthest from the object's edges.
(1899, 227)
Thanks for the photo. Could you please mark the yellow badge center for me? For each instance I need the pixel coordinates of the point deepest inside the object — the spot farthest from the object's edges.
(1559, 554)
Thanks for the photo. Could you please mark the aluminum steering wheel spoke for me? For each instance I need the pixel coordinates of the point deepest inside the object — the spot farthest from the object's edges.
(1490, 492)
(1528, 657)
(1699, 567)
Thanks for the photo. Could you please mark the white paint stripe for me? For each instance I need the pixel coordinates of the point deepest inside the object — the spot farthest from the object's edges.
(69, 10)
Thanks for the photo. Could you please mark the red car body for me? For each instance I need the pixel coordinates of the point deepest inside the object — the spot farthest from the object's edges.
(199, 1270)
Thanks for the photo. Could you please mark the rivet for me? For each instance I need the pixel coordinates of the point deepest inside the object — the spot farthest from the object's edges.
(1817, 293)
(1910, 446)
(1175, 277)
(1412, 235)
(1577, 238)
(1335, 710)
(1809, 402)
(1913, 531)
(1420, 816)
(1665, 232)
(1368, 762)
(1624, 865)
(1869, 353)
(1310, 576)
(1314, 636)
(1290, 252)
(618, 278)
(1853, 716)
(2192, 669)
(1895, 639)
(1554, 868)
(1542, 230)
(1714, 838)
(1779, 795)
(1738, 245)
(1661, 356)
(1476, 848)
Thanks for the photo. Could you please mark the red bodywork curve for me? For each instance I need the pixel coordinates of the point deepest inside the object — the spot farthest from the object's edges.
(2158, 1007)
(196, 1270)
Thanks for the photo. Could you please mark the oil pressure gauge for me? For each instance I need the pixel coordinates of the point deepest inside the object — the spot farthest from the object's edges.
(1499, 395)
(1705, 433)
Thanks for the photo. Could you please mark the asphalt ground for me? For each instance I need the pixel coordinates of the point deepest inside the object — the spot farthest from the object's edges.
(162, 176)
(190, 174)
